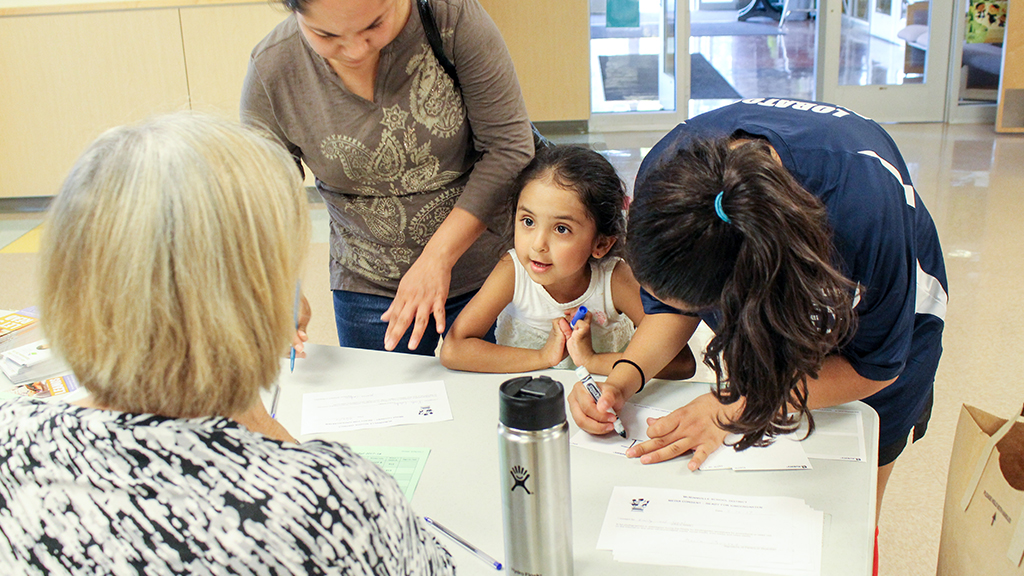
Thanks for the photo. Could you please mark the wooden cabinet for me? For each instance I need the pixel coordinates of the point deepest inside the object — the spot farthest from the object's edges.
(65, 78)
(550, 47)
(218, 41)
(69, 71)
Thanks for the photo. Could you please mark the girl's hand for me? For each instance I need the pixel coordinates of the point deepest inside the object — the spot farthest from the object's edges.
(553, 351)
(580, 344)
(422, 292)
(692, 427)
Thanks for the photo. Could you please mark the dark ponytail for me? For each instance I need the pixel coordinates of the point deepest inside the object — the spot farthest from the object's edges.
(766, 262)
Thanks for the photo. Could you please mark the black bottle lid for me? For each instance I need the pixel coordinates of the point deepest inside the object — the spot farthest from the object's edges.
(528, 403)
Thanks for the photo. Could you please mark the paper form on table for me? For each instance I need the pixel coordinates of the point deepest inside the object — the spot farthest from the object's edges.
(404, 464)
(775, 535)
(375, 407)
(783, 454)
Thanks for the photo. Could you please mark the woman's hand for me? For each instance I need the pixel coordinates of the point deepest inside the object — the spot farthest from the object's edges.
(422, 293)
(692, 427)
(580, 344)
(594, 417)
(305, 313)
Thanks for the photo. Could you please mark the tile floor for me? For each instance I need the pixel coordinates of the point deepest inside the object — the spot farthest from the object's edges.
(971, 180)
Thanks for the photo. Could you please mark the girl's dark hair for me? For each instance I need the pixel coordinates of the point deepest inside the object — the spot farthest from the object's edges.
(584, 172)
(771, 271)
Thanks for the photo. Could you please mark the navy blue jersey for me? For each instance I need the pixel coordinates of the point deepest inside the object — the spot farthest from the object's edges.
(884, 237)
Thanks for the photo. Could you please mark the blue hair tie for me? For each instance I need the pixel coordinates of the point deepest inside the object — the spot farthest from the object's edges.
(718, 208)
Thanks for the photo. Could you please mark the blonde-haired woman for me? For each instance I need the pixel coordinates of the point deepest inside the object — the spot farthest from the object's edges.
(169, 265)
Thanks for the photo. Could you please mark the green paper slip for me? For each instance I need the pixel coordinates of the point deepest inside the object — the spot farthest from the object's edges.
(404, 464)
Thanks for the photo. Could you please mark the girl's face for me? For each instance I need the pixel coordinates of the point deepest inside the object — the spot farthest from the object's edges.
(351, 33)
(555, 238)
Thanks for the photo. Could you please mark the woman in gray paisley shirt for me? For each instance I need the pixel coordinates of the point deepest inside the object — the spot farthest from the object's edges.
(413, 170)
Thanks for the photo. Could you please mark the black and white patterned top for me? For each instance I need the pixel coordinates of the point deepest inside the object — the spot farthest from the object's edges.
(100, 492)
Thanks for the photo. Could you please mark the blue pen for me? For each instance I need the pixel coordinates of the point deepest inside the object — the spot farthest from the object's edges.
(295, 319)
(476, 551)
(273, 403)
(578, 316)
(295, 316)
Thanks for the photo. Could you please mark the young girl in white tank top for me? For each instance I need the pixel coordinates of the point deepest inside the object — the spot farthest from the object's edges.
(568, 205)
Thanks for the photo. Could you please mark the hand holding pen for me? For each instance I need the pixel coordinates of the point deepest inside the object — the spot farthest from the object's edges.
(588, 382)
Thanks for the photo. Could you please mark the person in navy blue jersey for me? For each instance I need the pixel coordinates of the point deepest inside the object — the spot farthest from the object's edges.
(793, 229)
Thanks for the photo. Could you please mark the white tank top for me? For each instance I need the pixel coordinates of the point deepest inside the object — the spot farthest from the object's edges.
(526, 321)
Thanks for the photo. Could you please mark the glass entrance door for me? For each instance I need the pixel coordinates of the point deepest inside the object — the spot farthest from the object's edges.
(633, 64)
(880, 58)
(874, 56)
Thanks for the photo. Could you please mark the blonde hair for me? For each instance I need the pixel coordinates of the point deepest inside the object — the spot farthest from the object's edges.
(169, 265)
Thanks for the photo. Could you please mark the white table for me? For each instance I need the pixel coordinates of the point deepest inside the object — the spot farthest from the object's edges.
(460, 484)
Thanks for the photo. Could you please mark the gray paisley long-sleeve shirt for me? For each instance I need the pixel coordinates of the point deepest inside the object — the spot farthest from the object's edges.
(391, 170)
(85, 491)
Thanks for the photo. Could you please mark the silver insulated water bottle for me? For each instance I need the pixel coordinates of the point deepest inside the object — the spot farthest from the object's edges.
(533, 451)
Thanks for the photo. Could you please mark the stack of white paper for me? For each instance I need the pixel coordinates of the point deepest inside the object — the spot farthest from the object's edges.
(838, 435)
(773, 535)
(784, 453)
(31, 362)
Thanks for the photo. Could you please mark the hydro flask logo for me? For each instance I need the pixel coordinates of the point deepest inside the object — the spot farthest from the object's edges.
(520, 475)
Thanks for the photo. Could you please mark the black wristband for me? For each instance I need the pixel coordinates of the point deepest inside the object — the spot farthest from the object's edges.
(643, 379)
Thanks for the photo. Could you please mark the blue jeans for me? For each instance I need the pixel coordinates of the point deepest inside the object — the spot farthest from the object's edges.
(359, 325)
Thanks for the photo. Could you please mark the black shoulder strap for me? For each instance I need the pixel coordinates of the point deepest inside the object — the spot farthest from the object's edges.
(434, 38)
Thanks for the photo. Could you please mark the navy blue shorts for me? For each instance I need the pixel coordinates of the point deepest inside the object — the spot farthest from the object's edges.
(889, 453)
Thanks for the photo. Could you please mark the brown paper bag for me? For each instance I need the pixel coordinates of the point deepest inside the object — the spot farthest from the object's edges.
(982, 529)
